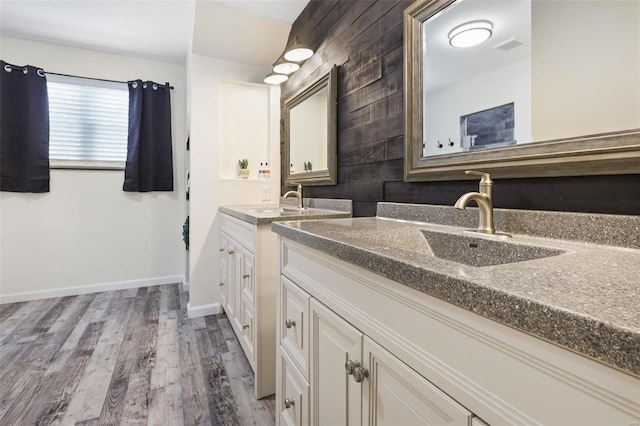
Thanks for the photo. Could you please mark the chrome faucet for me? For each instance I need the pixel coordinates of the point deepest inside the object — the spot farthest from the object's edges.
(298, 194)
(484, 200)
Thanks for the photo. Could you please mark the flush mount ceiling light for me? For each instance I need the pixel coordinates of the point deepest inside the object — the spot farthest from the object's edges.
(275, 78)
(470, 33)
(283, 66)
(298, 52)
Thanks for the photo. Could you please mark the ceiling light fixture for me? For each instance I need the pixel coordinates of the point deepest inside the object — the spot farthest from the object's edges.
(470, 33)
(298, 52)
(275, 78)
(283, 66)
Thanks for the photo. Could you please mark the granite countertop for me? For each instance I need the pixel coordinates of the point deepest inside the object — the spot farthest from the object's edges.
(265, 214)
(586, 299)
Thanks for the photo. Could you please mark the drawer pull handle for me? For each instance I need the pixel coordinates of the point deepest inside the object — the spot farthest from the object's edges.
(289, 402)
(290, 323)
(221, 284)
(245, 276)
(231, 251)
(245, 326)
(221, 250)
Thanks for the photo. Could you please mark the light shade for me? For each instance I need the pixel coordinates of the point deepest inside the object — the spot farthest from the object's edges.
(298, 52)
(274, 78)
(470, 33)
(285, 67)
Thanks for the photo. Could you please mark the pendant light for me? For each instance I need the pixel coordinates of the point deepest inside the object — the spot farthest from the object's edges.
(298, 52)
(275, 78)
(284, 66)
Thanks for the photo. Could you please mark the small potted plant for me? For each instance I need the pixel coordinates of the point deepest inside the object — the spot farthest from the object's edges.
(308, 166)
(243, 169)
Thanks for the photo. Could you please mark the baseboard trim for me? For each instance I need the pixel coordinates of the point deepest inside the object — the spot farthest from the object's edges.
(203, 310)
(186, 285)
(93, 288)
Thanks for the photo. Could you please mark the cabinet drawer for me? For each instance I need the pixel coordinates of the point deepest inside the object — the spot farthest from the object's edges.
(242, 232)
(293, 395)
(294, 325)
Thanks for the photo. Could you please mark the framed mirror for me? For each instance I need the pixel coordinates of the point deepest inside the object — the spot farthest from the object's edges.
(310, 133)
(551, 89)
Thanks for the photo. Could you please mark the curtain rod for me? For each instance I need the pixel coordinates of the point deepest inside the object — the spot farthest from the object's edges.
(91, 78)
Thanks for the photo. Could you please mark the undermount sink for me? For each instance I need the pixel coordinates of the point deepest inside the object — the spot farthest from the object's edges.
(478, 251)
(276, 210)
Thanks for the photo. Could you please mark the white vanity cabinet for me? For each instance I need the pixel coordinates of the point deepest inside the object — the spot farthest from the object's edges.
(359, 349)
(248, 271)
(351, 380)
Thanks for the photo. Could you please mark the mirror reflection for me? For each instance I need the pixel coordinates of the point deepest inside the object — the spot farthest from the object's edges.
(548, 70)
(308, 134)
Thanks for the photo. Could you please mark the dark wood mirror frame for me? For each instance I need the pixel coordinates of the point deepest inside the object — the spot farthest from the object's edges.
(601, 154)
(329, 176)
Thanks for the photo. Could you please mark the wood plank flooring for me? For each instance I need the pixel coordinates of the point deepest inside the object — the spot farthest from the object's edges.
(124, 357)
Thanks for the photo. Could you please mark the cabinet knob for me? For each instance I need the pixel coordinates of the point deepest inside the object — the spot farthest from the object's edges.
(221, 250)
(359, 374)
(354, 369)
(349, 366)
(290, 323)
(245, 326)
(245, 276)
(231, 251)
(221, 284)
(289, 402)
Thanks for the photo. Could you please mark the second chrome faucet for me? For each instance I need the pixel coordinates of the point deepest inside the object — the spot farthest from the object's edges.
(484, 199)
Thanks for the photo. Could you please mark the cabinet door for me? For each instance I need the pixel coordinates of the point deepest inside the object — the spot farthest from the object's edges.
(394, 394)
(248, 330)
(224, 287)
(293, 324)
(292, 397)
(247, 276)
(233, 272)
(336, 398)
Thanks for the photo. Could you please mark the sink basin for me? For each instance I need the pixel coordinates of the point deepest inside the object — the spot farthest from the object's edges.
(276, 210)
(477, 251)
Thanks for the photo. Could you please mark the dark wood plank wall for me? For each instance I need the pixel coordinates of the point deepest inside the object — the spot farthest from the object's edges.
(364, 37)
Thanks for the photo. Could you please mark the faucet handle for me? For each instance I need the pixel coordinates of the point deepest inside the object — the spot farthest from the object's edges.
(484, 176)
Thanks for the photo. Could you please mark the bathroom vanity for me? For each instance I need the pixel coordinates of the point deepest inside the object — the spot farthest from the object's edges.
(249, 276)
(383, 321)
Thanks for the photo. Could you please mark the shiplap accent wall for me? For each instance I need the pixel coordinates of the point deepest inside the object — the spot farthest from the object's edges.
(364, 38)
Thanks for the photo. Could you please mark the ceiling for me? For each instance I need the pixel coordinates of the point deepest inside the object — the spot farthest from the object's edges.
(161, 30)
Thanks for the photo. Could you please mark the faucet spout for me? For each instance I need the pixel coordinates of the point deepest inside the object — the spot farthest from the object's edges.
(298, 194)
(485, 207)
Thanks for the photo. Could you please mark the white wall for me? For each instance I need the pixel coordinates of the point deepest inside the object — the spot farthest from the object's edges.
(576, 91)
(209, 190)
(87, 231)
(443, 108)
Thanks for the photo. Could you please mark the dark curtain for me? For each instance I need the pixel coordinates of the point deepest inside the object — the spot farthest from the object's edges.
(24, 129)
(149, 154)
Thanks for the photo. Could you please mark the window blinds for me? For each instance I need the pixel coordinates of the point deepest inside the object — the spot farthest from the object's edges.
(88, 121)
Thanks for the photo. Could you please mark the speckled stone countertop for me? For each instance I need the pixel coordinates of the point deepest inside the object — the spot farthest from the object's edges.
(586, 299)
(265, 214)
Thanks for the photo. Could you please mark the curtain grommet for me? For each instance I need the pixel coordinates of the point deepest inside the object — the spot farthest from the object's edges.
(40, 72)
(25, 71)
(155, 87)
(144, 85)
(7, 68)
(134, 84)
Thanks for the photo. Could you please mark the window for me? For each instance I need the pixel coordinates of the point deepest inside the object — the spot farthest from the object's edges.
(88, 123)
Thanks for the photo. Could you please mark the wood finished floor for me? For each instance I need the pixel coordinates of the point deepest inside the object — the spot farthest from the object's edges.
(123, 357)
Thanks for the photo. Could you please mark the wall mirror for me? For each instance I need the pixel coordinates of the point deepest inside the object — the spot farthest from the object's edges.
(310, 133)
(552, 88)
